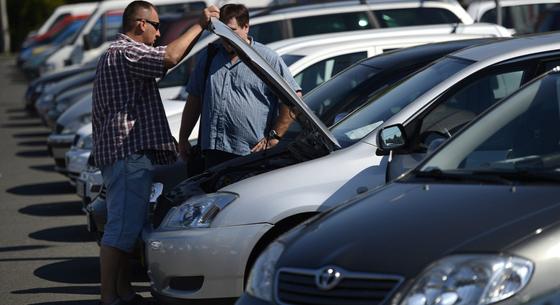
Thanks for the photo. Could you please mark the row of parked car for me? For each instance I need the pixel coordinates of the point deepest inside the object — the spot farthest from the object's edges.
(470, 221)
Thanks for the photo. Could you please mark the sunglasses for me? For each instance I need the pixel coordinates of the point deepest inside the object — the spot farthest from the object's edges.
(153, 23)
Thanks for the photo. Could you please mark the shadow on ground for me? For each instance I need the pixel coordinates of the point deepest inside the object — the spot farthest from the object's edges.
(22, 125)
(72, 234)
(43, 168)
(40, 189)
(25, 116)
(40, 143)
(85, 302)
(16, 110)
(22, 248)
(83, 270)
(35, 134)
(87, 290)
(72, 208)
(42, 153)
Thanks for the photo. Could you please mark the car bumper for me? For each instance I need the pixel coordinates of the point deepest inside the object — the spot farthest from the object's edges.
(247, 299)
(77, 161)
(88, 185)
(200, 264)
(58, 145)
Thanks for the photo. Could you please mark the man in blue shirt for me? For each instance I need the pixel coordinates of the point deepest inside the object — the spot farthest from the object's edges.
(236, 108)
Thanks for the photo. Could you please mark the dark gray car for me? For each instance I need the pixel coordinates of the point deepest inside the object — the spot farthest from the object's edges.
(476, 223)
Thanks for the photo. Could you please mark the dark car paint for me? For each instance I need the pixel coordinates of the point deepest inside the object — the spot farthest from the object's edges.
(378, 233)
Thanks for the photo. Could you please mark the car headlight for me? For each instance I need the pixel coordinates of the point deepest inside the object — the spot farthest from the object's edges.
(62, 105)
(85, 142)
(48, 98)
(197, 212)
(261, 278)
(470, 280)
(76, 124)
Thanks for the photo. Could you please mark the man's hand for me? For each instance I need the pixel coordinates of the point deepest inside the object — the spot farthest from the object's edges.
(209, 12)
(263, 144)
(184, 149)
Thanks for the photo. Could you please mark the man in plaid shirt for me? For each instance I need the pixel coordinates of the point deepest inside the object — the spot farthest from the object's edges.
(131, 134)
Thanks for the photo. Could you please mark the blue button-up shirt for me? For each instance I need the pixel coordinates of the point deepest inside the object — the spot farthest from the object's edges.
(237, 107)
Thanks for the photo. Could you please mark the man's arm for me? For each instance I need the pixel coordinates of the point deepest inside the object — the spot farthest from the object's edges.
(281, 125)
(181, 46)
(191, 113)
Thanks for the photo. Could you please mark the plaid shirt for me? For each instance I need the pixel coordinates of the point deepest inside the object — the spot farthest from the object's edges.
(128, 115)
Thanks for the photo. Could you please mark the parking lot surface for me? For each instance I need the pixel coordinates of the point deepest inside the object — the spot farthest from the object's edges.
(46, 254)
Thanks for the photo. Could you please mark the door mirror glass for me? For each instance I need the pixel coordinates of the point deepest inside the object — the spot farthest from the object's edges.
(392, 137)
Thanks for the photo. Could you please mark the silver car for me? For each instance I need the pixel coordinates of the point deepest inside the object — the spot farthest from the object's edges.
(221, 233)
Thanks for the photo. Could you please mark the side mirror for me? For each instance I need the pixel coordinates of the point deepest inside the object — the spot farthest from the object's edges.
(391, 138)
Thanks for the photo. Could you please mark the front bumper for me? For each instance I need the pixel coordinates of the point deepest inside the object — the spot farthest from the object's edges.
(58, 145)
(196, 264)
(76, 161)
(88, 185)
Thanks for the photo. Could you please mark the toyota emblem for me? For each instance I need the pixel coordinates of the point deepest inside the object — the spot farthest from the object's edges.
(327, 278)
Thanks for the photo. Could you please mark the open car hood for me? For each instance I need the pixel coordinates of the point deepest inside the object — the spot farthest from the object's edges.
(276, 83)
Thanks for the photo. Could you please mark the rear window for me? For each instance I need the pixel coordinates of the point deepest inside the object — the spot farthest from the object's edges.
(523, 18)
(267, 32)
(330, 23)
(415, 16)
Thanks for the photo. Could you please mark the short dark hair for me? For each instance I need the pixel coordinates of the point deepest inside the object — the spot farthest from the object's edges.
(131, 13)
(237, 11)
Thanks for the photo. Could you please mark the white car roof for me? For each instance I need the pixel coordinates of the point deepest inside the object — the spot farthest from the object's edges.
(308, 44)
(353, 6)
(74, 9)
(477, 8)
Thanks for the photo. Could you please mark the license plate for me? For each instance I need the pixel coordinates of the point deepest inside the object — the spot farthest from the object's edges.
(81, 188)
(157, 189)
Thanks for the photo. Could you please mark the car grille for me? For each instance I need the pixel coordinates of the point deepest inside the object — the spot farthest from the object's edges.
(298, 286)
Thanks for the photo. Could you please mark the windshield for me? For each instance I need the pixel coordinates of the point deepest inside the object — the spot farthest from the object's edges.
(393, 99)
(289, 59)
(520, 135)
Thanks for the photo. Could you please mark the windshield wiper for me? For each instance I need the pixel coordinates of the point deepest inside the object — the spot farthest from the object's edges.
(463, 176)
(493, 176)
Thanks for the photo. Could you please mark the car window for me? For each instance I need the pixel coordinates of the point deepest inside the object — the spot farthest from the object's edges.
(523, 18)
(267, 32)
(324, 70)
(414, 16)
(330, 23)
(393, 99)
(520, 135)
(187, 7)
(181, 74)
(105, 29)
(289, 59)
(475, 96)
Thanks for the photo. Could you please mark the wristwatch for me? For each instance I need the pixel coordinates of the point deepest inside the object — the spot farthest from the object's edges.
(274, 135)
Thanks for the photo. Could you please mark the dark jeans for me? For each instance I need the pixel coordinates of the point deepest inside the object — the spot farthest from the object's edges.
(214, 157)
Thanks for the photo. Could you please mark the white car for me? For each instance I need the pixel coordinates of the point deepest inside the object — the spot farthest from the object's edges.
(271, 24)
(93, 37)
(205, 244)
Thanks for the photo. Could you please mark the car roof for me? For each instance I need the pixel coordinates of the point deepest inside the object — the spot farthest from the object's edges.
(401, 56)
(308, 44)
(520, 46)
(322, 8)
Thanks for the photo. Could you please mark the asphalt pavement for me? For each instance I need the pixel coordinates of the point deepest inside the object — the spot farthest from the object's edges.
(47, 257)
